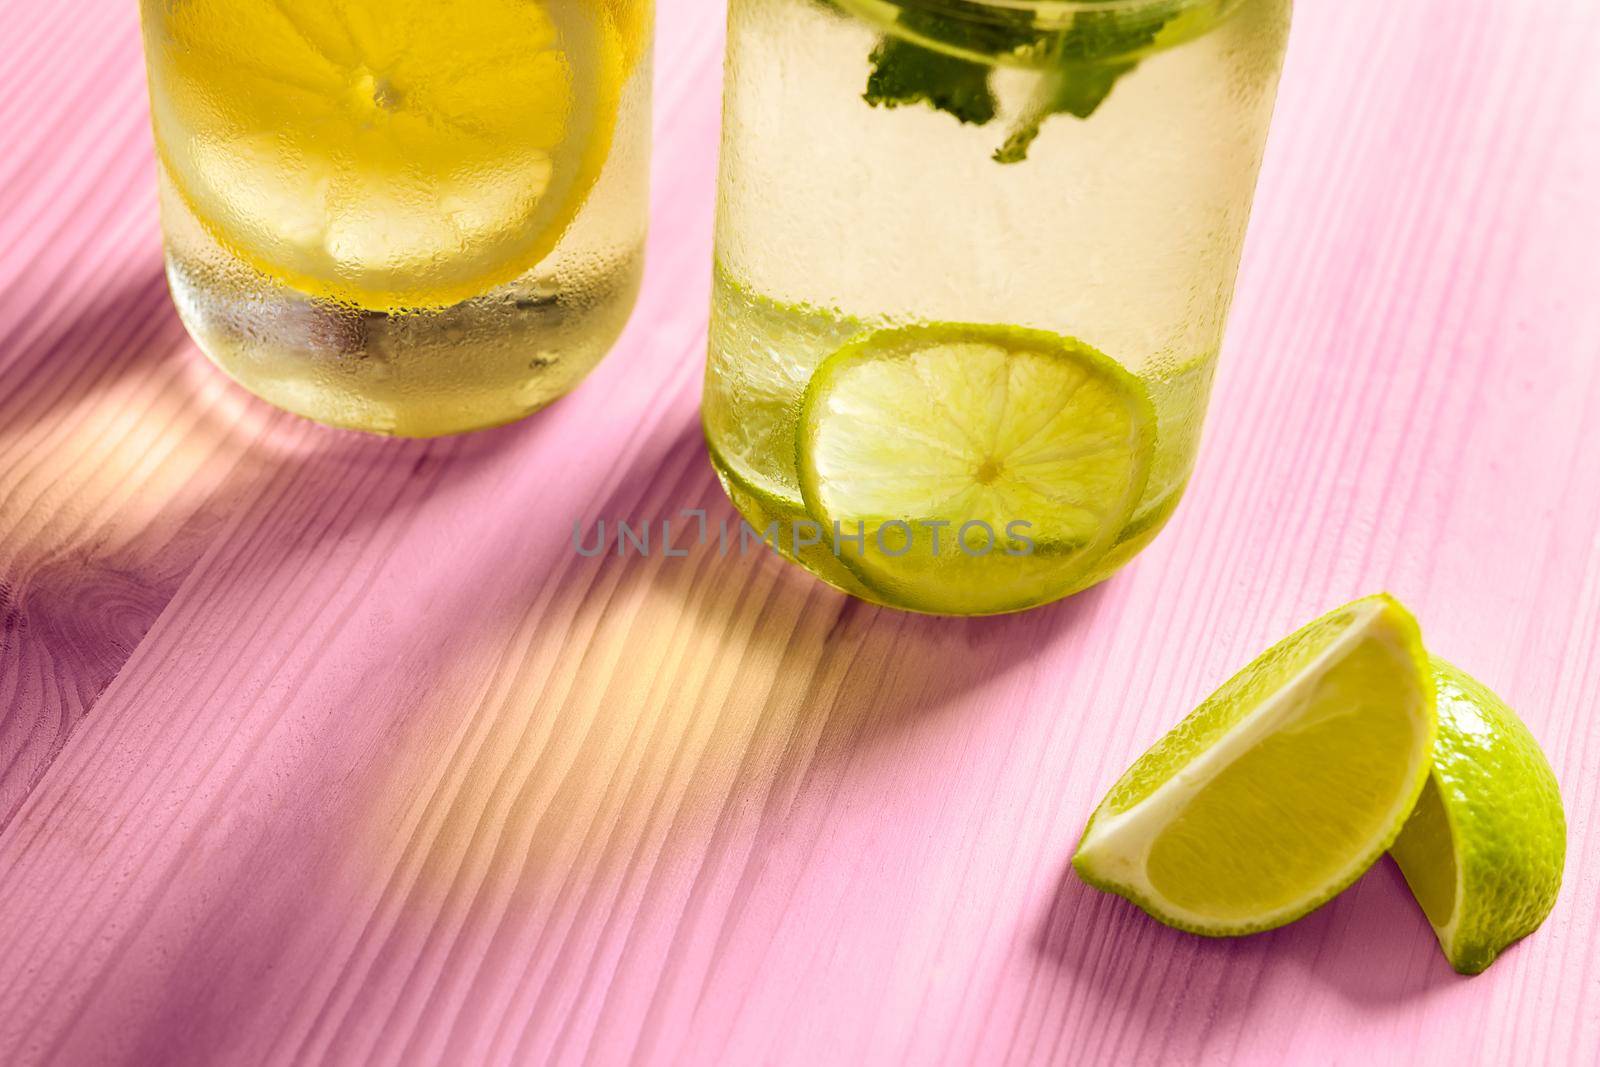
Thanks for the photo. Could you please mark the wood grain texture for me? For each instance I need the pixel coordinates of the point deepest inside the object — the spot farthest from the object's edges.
(316, 748)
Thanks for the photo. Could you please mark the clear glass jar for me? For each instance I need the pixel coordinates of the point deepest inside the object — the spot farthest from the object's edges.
(947, 225)
(401, 216)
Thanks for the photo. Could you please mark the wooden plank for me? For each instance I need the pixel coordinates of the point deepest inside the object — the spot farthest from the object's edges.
(119, 455)
(392, 774)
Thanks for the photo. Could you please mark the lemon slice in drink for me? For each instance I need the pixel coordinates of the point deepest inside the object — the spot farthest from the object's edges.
(982, 468)
(1280, 789)
(1484, 849)
(390, 155)
(633, 21)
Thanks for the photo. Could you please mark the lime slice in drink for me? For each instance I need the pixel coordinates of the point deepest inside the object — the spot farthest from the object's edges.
(782, 522)
(980, 469)
(389, 155)
(1484, 849)
(1280, 789)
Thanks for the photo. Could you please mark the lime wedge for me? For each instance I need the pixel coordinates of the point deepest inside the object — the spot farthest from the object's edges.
(981, 469)
(1484, 849)
(1280, 789)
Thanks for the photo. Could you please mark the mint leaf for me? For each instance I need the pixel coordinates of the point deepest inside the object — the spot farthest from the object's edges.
(906, 73)
(1080, 64)
(1076, 84)
(1070, 89)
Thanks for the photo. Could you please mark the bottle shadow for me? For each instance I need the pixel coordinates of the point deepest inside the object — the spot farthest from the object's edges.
(124, 328)
(114, 400)
(1370, 946)
(87, 368)
(614, 667)
(878, 668)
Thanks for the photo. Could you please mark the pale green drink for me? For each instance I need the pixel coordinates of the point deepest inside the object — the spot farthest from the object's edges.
(1083, 170)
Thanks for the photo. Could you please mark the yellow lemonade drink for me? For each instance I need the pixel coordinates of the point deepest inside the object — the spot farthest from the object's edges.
(410, 216)
(974, 260)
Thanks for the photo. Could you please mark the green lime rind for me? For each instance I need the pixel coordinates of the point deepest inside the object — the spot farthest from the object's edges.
(1485, 848)
(1134, 538)
(1232, 728)
(762, 509)
(956, 423)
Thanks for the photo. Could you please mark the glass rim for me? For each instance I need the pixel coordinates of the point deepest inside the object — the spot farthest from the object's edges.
(967, 8)
(1048, 17)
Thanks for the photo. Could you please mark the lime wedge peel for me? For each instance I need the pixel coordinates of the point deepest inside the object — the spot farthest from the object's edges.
(1484, 850)
(1357, 674)
(917, 431)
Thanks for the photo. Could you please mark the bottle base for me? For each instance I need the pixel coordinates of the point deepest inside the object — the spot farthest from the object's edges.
(484, 362)
(775, 521)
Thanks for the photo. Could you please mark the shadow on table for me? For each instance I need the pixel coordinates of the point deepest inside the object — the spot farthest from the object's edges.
(841, 657)
(163, 450)
(130, 330)
(124, 329)
(1369, 945)
(123, 383)
(638, 701)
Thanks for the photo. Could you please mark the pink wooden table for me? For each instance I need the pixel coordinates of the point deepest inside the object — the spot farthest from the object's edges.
(322, 748)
